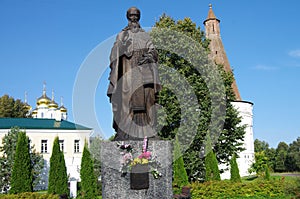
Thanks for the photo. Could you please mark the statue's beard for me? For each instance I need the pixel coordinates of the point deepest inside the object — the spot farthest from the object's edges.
(134, 26)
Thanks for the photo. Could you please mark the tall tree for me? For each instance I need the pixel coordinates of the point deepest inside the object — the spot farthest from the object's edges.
(267, 172)
(234, 170)
(261, 161)
(180, 177)
(58, 179)
(8, 149)
(9, 107)
(87, 175)
(280, 158)
(270, 153)
(211, 167)
(183, 50)
(293, 156)
(260, 145)
(21, 177)
(95, 148)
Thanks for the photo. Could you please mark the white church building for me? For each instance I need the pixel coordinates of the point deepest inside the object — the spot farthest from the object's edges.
(48, 122)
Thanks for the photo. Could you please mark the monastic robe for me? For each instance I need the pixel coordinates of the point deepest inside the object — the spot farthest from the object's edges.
(133, 85)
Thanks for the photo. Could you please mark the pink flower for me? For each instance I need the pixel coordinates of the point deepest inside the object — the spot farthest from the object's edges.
(145, 144)
(145, 155)
(127, 157)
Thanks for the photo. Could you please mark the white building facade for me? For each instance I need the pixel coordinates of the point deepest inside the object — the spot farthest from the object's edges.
(42, 133)
(246, 158)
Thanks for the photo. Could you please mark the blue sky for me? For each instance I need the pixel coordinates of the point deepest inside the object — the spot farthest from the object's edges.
(48, 40)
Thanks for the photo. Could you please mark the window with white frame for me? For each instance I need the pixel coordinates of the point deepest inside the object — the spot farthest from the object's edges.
(44, 146)
(76, 146)
(61, 145)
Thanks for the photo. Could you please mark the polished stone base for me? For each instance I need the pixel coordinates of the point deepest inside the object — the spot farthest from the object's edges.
(114, 186)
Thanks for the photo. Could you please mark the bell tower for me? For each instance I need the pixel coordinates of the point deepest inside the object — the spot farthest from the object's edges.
(217, 51)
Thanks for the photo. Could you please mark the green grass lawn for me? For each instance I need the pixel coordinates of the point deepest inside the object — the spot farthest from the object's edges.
(275, 176)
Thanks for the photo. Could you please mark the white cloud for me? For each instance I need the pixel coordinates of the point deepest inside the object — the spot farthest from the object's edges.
(294, 53)
(264, 67)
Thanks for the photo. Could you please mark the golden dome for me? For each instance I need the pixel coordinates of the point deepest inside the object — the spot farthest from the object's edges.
(34, 111)
(27, 106)
(62, 109)
(53, 104)
(44, 99)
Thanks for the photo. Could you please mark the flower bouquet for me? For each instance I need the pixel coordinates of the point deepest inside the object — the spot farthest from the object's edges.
(140, 166)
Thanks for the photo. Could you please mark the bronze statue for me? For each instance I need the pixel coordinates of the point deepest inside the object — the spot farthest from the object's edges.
(134, 82)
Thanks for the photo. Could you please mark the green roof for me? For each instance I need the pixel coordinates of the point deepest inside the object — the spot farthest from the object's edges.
(36, 123)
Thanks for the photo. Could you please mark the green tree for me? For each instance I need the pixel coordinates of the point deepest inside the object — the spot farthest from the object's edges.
(21, 177)
(180, 177)
(260, 163)
(192, 126)
(95, 148)
(270, 153)
(211, 167)
(293, 156)
(58, 179)
(267, 172)
(280, 158)
(9, 107)
(260, 145)
(234, 170)
(87, 175)
(8, 149)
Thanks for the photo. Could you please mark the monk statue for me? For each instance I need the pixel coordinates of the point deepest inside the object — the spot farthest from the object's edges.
(134, 82)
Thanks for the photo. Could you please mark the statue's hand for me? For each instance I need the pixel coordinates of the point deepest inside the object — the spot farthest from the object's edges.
(124, 36)
(125, 47)
(143, 60)
(146, 58)
(128, 42)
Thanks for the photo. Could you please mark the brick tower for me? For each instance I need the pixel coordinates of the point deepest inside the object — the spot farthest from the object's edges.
(218, 54)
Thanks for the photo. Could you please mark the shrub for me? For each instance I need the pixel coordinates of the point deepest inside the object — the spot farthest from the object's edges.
(180, 177)
(228, 189)
(234, 170)
(58, 179)
(21, 177)
(211, 167)
(267, 172)
(29, 195)
(87, 175)
(291, 186)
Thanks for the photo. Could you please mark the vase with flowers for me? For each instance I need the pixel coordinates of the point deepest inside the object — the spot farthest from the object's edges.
(140, 166)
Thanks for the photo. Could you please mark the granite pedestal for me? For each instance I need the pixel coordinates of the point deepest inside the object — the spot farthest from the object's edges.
(116, 186)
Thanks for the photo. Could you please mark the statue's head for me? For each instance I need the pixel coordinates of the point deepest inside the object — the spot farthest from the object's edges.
(133, 14)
